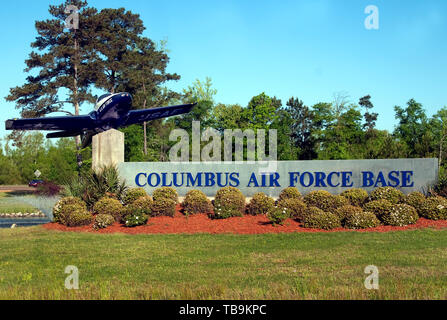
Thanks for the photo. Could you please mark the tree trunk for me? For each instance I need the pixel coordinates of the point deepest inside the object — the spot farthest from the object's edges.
(145, 137)
(440, 152)
(145, 123)
(76, 100)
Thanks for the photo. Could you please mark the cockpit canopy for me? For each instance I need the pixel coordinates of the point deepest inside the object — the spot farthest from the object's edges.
(101, 100)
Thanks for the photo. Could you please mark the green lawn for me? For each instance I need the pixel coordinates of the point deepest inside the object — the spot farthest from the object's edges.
(9, 204)
(412, 265)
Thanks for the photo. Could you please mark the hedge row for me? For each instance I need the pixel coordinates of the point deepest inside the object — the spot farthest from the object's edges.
(353, 209)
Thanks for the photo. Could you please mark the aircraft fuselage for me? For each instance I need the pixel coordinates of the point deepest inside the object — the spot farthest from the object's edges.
(112, 112)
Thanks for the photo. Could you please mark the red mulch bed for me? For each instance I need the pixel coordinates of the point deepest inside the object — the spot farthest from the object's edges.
(241, 225)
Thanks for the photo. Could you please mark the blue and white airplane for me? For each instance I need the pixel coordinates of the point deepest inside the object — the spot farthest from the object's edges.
(112, 111)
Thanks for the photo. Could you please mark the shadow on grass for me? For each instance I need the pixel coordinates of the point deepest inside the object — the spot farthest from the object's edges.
(12, 194)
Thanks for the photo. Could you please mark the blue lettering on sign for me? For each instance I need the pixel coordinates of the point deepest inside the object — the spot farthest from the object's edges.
(381, 180)
(197, 182)
(157, 179)
(406, 179)
(293, 178)
(253, 181)
(303, 177)
(137, 180)
(344, 179)
(210, 179)
(319, 179)
(164, 177)
(330, 181)
(219, 180)
(234, 177)
(175, 174)
(274, 180)
(393, 178)
(367, 179)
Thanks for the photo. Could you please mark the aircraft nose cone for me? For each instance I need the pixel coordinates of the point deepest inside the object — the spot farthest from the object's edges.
(8, 125)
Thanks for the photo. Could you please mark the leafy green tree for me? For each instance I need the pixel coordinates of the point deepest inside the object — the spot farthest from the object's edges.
(203, 94)
(337, 131)
(9, 173)
(261, 111)
(380, 144)
(133, 143)
(58, 163)
(228, 117)
(27, 157)
(438, 129)
(412, 128)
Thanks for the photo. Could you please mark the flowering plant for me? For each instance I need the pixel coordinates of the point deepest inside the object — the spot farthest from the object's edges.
(278, 215)
(135, 219)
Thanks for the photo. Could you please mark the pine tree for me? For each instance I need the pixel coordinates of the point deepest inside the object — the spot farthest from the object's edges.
(301, 128)
(370, 118)
(61, 59)
(108, 52)
(145, 74)
(127, 61)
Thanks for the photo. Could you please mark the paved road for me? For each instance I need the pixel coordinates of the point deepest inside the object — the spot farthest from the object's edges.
(15, 188)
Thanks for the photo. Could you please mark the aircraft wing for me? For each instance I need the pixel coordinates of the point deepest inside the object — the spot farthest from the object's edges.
(140, 116)
(74, 123)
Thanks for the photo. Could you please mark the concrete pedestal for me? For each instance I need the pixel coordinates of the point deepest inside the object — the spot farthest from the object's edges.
(107, 149)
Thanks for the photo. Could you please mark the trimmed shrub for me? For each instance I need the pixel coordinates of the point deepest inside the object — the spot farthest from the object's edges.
(378, 207)
(163, 207)
(344, 212)
(320, 199)
(390, 194)
(134, 218)
(260, 204)
(60, 211)
(133, 194)
(166, 193)
(339, 201)
(434, 208)
(357, 197)
(289, 193)
(77, 216)
(142, 205)
(324, 200)
(295, 206)
(309, 211)
(361, 220)
(103, 221)
(415, 199)
(400, 215)
(109, 206)
(278, 215)
(322, 220)
(229, 202)
(441, 186)
(196, 202)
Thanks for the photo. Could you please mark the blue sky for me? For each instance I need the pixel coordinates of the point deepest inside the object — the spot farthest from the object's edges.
(308, 49)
